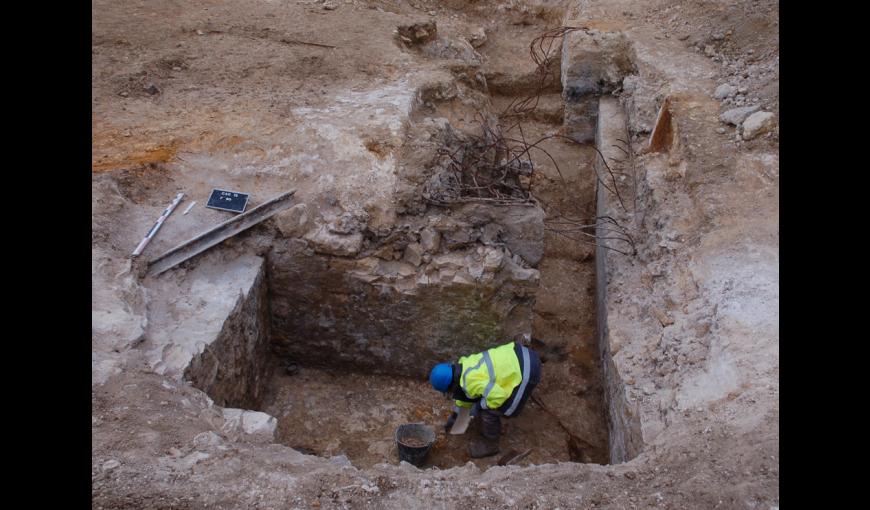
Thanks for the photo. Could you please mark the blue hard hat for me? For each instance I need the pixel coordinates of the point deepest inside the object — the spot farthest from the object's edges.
(441, 376)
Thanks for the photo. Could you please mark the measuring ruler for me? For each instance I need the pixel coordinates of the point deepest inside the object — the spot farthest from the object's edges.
(157, 225)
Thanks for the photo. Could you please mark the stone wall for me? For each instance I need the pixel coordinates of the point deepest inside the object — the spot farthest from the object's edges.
(233, 368)
(443, 284)
(396, 316)
(594, 62)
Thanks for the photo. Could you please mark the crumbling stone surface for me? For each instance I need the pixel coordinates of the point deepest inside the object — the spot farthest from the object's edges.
(118, 316)
(232, 369)
(414, 254)
(459, 238)
(347, 223)
(254, 423)
(217, 337)
(678, 365)
(418, 33)
(118, 303)
(325, 241)
(519, 228)
(293, 222)
(703, 388)
(395, 316)
(594, 62)
(430, 240)
(663, 365)
(625, 426)
(641, 98)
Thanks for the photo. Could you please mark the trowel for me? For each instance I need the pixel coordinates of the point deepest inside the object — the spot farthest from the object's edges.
(512, 457)
(463, 418)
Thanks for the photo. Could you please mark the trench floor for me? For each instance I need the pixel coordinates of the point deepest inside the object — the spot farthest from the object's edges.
(327, 413)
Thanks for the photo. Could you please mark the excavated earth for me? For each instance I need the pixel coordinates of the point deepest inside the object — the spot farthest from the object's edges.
(273, 370)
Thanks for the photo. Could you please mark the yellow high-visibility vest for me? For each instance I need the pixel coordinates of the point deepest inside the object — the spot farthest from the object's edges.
(491, 376)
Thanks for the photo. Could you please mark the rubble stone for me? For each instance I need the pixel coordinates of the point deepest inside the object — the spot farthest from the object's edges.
(736, 116)
(414, 254)
(430, 240)
(293, 221)
(257, 423)
(418, 33)
(757, 124)
(330, 243)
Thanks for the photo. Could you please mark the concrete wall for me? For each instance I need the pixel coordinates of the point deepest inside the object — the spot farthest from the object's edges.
(623, 420)
(593, 63)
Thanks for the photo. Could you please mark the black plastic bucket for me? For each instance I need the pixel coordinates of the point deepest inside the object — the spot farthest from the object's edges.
(414, 440)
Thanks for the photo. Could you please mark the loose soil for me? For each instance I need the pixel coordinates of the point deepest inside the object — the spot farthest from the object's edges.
(414, 442)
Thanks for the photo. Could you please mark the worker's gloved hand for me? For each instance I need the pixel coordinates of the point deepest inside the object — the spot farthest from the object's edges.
(450, 422)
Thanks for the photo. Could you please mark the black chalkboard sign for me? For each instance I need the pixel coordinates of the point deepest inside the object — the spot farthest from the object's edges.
(227, 200)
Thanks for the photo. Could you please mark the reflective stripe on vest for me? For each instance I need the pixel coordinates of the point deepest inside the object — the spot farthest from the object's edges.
(489, 386)
(469, 369)
(519, 395)
(483, 359)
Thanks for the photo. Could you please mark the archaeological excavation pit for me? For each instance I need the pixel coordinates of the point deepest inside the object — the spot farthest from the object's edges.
(329, 316)
(338, 349)
(465, 174)
(335, 391)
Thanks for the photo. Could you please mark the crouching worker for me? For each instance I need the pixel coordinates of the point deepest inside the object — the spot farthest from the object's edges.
(494, 383)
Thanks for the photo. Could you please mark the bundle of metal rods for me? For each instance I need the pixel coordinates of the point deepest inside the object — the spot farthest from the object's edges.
(492, 166)
(488, 166)
(495, 167)
(594, 231)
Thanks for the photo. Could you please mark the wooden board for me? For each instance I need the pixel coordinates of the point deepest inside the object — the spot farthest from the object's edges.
(225, 230)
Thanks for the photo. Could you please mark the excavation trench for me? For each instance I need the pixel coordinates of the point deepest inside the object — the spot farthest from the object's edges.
(337, 349)
(340, 364)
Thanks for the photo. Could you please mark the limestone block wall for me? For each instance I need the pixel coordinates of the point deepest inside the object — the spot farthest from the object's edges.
(396, 316)
(233, 368)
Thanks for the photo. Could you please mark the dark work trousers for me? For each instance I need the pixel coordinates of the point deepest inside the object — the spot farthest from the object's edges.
(491, 418)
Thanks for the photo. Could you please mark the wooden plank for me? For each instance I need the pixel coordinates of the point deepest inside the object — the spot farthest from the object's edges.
(222, 232)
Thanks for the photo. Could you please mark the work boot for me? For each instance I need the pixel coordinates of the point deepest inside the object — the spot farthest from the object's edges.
(482, 447)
